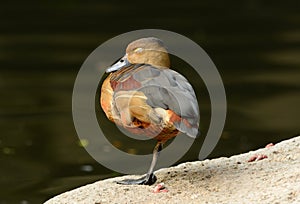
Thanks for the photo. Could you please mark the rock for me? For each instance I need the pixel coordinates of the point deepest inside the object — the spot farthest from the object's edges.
(274, 179)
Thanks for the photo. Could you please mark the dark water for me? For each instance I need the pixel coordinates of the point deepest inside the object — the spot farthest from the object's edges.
(255, 45)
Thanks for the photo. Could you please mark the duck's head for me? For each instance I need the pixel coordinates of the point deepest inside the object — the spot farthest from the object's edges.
(144, 51)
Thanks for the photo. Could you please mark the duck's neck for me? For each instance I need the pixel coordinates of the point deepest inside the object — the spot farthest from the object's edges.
(160, 60)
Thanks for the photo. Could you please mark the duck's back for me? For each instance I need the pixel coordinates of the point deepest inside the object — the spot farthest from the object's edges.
(146, 94)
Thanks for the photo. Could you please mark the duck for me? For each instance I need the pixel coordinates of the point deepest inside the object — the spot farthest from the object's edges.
(143, 95)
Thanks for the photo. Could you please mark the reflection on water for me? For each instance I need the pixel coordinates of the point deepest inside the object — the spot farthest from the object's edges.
(256, 49)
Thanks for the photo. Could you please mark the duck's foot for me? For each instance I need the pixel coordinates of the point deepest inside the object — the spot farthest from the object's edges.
(145, 180)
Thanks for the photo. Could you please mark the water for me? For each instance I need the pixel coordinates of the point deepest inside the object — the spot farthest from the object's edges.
(255, 45)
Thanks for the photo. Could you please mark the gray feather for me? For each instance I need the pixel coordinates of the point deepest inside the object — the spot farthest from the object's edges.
(168, 89)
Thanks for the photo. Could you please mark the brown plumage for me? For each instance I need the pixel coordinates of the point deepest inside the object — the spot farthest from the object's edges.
(147, 98)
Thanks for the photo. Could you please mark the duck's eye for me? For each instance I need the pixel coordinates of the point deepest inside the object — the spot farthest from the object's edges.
(137, 50)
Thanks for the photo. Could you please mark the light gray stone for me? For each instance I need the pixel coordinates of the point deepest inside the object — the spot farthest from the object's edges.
(275, 179)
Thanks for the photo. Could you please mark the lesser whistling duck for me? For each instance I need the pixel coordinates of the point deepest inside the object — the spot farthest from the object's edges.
(145, 97)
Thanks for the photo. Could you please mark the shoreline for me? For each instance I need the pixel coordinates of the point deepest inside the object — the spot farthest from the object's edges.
(266, 175)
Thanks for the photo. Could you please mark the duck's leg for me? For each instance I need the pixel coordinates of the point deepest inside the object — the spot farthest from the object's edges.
(150, 178)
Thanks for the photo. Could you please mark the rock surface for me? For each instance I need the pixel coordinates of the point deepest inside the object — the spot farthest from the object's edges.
(272, 177)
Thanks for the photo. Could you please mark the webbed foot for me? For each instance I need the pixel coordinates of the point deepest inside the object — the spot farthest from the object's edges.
(145, 180)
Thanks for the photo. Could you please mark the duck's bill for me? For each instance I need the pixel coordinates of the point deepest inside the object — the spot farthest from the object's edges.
(123, 62)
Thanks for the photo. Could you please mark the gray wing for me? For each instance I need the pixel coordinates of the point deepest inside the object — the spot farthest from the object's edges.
(168, 89)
